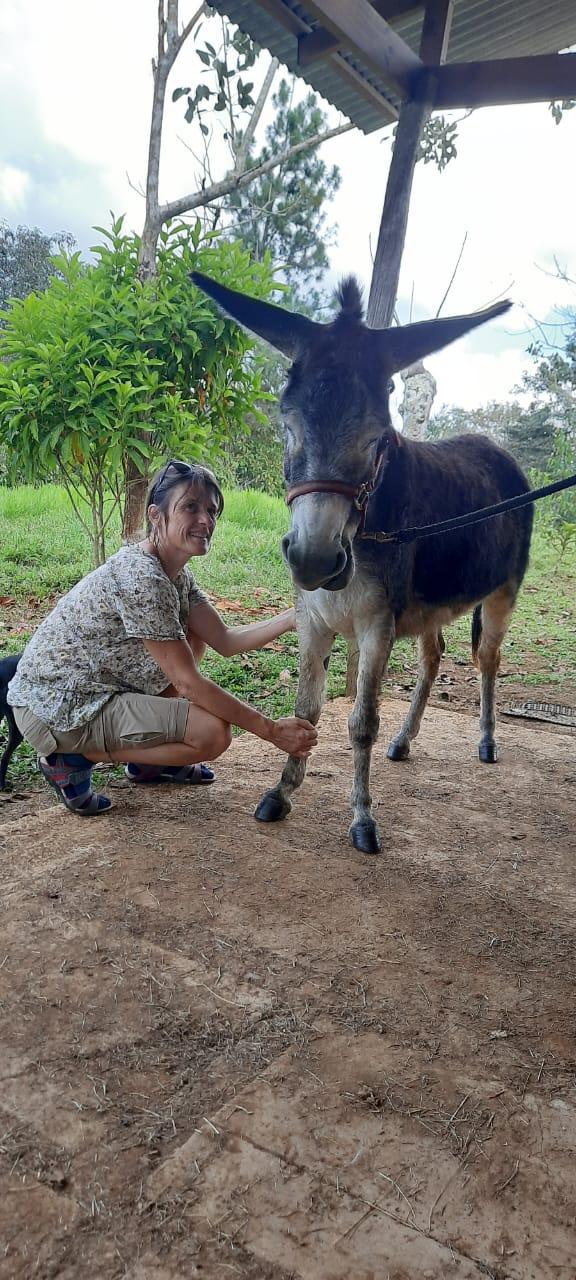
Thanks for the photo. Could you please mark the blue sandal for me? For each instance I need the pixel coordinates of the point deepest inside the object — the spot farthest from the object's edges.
(195, 775)
(71, 778)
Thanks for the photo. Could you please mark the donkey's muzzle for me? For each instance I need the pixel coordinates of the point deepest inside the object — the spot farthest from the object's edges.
(311, 567)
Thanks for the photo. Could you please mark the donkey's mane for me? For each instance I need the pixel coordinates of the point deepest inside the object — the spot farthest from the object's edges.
(349, 295)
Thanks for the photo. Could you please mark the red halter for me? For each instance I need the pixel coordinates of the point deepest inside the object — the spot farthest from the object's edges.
(359, 493)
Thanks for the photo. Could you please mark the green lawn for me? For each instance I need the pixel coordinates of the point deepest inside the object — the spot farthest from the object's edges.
(43, 552)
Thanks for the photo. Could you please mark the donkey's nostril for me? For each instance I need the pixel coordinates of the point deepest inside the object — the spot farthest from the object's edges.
(341, 561)
(313, 567)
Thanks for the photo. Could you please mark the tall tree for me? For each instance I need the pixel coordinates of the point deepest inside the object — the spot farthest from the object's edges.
(26, 264)
(553, 380)
(282, 212)
(528, 432)
(553, 384)
(223, 93)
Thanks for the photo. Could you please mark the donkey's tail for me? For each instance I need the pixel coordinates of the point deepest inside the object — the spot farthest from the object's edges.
(476, 631)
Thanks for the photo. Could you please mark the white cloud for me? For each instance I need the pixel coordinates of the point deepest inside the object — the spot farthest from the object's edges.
(14, 184)
(471, 378)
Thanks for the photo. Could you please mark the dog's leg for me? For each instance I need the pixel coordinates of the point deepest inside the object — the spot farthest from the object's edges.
(14, 740)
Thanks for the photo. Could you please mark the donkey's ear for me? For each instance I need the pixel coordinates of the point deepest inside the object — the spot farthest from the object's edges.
(405, 345)
(287, 332)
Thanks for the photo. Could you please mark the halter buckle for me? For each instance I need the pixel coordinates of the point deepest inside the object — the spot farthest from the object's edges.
(363, 496)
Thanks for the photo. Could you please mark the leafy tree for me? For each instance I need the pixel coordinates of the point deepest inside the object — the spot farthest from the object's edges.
(222, 92)
(542, 435)
(282, 212)
(253, 460)
(528, 433)
(104, 370)
(553, 381)
(553, 384)
(26, 260)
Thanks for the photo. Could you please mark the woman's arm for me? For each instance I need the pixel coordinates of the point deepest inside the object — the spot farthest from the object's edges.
(175, 657)
(205, 623)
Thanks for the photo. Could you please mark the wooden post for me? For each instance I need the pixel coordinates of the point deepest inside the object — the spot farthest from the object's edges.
(392, 234)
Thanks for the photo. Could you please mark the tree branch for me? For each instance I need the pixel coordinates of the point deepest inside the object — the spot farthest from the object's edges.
(182, 38)
(454, 273)
(233, 181)
(70, 487)
(161, 35)
(169, 45)
(243, 149)
(171, 25)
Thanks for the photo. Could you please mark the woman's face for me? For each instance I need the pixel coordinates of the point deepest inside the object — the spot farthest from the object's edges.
(189, 522)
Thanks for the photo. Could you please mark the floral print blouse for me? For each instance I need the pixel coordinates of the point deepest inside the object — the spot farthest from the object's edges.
(90, 646)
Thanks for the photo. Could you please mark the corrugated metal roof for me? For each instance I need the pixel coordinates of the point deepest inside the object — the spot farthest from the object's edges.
(481, 30)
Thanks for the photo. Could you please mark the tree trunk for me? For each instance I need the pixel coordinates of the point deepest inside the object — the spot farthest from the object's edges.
(419, 393)
(137, 478)
(135, 489)
(148, 246)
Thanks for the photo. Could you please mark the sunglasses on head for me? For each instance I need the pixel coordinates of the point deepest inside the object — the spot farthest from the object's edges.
(181, 469)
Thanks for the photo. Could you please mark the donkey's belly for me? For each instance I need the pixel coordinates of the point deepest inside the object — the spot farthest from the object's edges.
(417, 618)
(343, 612)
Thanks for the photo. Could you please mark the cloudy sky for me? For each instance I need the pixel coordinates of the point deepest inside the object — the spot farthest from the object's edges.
(75, 92)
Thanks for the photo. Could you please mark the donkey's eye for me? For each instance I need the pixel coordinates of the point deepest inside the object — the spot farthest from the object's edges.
(390, 387)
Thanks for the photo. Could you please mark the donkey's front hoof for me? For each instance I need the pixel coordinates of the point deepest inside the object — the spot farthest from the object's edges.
(364, 836)
(272, 807)
(488, 751)
(399, 749)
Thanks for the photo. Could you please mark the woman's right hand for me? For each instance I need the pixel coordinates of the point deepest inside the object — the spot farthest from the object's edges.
(293, 735)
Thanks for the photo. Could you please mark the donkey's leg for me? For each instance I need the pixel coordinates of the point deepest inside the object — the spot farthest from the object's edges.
(495, 618)
(375, 646)
(430, 648)
(315, 646)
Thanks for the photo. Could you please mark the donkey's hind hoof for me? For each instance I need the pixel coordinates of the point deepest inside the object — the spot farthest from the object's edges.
(487, 752)
(398, 749)
(364, 836)
(272, 808)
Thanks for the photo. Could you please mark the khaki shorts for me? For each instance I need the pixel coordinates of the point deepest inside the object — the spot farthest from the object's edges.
(126, 720)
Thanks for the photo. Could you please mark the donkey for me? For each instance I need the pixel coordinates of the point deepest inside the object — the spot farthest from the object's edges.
(349, 474)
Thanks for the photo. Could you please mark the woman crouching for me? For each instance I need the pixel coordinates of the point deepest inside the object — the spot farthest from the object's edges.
(112, 673)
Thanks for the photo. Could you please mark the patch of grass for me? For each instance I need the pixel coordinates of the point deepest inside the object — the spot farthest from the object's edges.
(540, 646)
(43, 549)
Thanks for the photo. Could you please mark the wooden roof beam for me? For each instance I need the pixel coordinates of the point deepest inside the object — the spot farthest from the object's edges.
(391, 9)
(357, 25)
(320, 43)
(316, 45)
(506, 81)
(436, 31)
(297, 28)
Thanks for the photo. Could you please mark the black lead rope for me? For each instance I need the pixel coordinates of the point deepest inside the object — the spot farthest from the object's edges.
(473, 517)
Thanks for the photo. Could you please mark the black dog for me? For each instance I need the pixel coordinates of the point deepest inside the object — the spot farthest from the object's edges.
(7, 670)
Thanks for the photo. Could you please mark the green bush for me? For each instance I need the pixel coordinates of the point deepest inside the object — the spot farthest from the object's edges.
(102, 372)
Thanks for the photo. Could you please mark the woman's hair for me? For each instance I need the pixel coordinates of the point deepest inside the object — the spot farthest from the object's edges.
(171, 476)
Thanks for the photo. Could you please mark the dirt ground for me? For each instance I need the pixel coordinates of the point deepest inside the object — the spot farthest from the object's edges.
(237, 1050)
